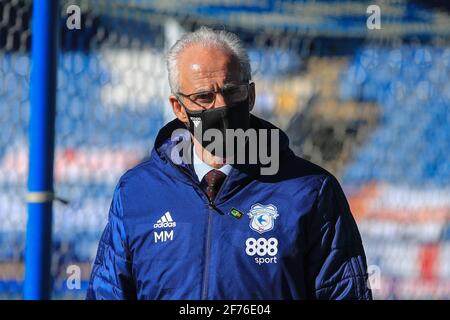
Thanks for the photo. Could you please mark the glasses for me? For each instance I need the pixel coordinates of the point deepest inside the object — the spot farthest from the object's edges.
(231, 93)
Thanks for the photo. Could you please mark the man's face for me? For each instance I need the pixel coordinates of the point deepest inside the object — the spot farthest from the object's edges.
(204, 69)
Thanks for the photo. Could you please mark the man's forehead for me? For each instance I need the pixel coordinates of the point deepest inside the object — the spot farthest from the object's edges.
(199, 59)
(196, 67)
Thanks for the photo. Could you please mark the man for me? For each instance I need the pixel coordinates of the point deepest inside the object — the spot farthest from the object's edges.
(194, 223)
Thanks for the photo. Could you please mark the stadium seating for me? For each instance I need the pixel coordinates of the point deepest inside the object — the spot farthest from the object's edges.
(112, 99)
(415, 110)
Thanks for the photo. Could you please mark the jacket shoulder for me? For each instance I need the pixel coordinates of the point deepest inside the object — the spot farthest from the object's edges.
(136, 184)
(137, 175)
(294, 168)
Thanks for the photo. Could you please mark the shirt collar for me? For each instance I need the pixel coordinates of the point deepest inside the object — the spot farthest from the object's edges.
(201, 168)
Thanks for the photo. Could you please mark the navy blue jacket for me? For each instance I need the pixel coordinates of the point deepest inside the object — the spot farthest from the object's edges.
(291, 235)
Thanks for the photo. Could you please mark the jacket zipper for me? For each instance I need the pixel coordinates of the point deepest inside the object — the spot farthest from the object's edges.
(205, 281)
(211, 205)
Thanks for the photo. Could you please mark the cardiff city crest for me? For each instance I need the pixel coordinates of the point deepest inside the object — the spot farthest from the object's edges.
(262, 218)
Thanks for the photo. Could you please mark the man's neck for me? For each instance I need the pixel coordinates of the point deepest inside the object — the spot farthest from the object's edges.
(205, 156)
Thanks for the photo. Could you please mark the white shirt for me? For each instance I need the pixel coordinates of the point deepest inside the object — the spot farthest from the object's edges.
(201, 168)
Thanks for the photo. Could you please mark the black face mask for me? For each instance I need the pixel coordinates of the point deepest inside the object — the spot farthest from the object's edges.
(233, 117)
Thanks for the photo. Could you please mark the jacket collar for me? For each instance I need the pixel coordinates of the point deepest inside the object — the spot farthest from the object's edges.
(174, 138)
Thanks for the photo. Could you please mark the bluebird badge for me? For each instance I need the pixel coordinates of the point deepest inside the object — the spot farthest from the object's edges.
(262, 218)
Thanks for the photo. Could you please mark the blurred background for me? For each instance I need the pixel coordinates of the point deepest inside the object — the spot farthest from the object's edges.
(371, 106)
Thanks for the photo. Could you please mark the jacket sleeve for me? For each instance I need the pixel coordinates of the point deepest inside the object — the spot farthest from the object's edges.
(335, 261)
(111, 277)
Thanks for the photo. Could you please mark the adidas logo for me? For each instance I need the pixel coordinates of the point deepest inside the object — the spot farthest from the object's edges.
(166, 221)
(196, 121)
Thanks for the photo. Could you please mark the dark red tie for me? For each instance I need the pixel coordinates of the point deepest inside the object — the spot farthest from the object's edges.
(212, 182)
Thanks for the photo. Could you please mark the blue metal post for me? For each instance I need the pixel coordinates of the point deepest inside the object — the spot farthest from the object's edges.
(41, 139)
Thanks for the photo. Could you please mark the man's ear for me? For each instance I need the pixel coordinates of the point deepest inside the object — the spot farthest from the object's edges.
(251, 96)
(178, 109)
